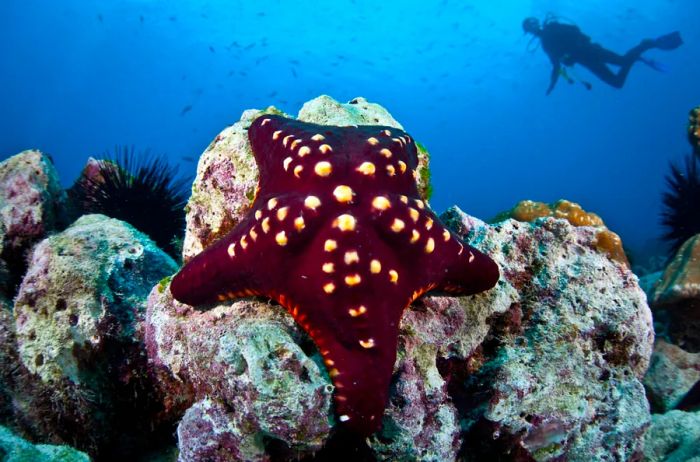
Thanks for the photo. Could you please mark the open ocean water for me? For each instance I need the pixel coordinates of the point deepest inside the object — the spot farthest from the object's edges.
(78, 78)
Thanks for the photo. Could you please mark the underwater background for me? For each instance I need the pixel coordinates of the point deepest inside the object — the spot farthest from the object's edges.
(78, 78)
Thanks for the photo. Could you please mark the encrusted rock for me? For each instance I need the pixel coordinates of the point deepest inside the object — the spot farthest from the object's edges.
(673, 437)
(560, 375)
(672, 373)
(15, 449)
(227, 175)
(676, 296)
(78, 322)
(31, 199)
(546, 366)
(247, 356)
(209, 431)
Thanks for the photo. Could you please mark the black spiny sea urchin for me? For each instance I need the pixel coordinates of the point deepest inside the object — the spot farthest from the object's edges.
(681, 213)
(141, 189)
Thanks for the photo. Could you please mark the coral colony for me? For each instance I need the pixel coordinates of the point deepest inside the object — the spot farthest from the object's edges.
(338, 236)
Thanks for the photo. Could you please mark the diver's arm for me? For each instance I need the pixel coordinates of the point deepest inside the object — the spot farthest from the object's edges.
(554, 76)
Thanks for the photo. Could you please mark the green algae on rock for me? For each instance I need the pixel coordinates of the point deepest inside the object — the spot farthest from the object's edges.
(16, 449)
(78, 324)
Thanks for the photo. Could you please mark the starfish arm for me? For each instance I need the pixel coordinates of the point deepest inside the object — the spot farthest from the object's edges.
(467, 270)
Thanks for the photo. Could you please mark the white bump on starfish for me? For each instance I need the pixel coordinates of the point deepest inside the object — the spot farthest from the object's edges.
(430, 245)
(350, 257)
(312, 202)
(369, 343)
(359, 311)
(343, 194)
(393, 276)
(282, 213)
(345, 222)
(397, 225)
(381, 203)
(366, 168)
(353, 279)
(281, 238)
(323, 168)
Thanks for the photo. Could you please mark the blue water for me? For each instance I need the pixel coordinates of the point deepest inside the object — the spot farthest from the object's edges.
(78, 77)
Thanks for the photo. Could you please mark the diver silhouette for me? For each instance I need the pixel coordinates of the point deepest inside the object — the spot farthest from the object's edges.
(566, 45)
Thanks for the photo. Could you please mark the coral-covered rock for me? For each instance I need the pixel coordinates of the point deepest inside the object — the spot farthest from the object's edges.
(210, 432)
(15, 449)
(561, 374)
(227, 175)
(248, 356)
(78, 322)
(31, 200)
(8, 357)
(546, 366)
(694, 129)
(673, 437)
(676, 296)
(606, 241)
(672, 373)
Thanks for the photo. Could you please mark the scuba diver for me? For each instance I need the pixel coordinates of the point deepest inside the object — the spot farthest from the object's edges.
(566, 45)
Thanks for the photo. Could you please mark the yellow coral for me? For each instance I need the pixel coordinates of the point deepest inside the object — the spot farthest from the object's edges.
(607, 242)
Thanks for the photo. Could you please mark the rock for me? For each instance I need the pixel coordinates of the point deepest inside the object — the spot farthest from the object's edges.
(79, 314)
(248, 357)
(673, 437)
(546, 366)
(672, 373)
(227, 175)
(209, 432)
(15, 449)
(606, 241)
(8, 357)
(676, 296)
(31, 200)
(560, 374)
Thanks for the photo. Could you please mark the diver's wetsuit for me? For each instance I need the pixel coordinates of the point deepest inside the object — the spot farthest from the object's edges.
(566, 45)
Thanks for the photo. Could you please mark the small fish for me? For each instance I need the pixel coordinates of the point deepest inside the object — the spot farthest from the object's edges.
(172, 18)
(100, 18)
(141, 19)
(271, 94)
(211, 48)
(185, 110)
(187, 158)
(294, 72)
(249, 46)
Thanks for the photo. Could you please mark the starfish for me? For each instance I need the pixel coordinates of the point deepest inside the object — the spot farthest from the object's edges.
(339, 236)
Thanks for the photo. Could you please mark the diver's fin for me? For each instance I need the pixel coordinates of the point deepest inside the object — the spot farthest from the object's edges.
(669, 41)
(654, 64)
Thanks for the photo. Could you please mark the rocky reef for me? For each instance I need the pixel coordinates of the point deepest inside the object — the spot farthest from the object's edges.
(31, 200)
(545, 366)
(549, 365)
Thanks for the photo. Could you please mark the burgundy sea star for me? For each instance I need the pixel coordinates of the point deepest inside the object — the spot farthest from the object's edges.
(339, 236)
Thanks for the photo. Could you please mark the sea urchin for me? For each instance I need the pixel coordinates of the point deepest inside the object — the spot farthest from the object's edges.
(141, 189)
(681, 203)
